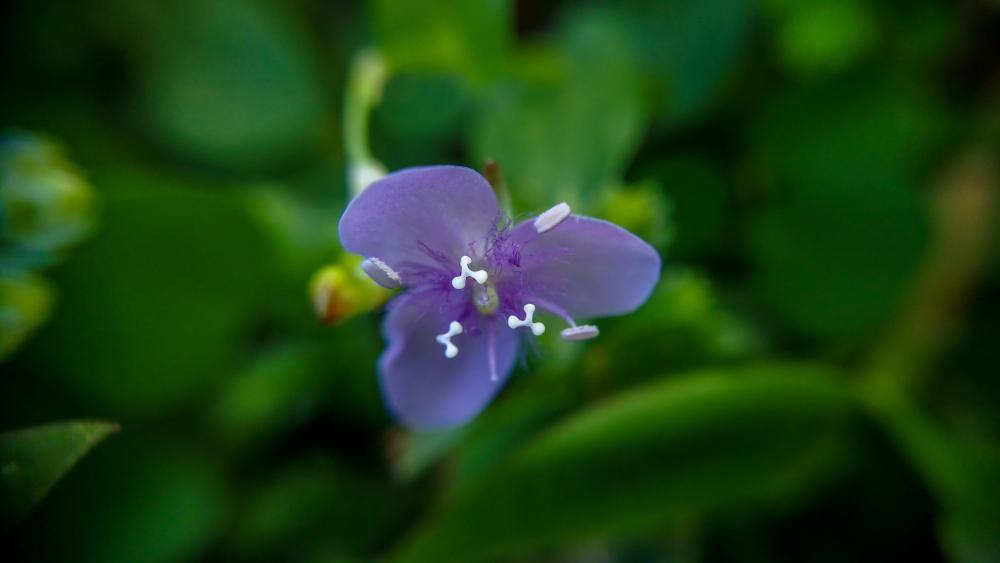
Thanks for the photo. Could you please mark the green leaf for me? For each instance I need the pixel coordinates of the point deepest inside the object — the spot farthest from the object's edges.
(506, 426)
(165, 293)
(565, 139)
(687, 48)
(471, 37)
(845, 165)
(285, 386)
(150, 496)
(964, 478)
(231, 83)
(318, 503)
(33, 460)
(699, 197)
(45, 202)
(815, 37)
(25, 304)
(683, 326)
(700, 443)
(419, 117)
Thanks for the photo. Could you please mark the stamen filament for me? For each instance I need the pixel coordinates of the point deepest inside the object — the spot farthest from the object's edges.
(381, 273)
(492, 352)
(575, 331)
(555, 310)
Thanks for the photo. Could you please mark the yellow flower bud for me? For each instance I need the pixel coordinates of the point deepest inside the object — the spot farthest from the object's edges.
(341, 290)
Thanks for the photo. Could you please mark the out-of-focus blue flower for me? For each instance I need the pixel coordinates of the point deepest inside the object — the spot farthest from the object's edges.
(473, 282)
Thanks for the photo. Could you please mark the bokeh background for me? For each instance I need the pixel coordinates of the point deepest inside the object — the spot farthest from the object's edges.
(816, 377)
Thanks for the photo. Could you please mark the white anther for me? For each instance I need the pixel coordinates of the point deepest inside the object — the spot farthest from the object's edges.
(581, 332)
(381, 273)
(548, 220)
(458, 282)
(529, 312)
(450, 350)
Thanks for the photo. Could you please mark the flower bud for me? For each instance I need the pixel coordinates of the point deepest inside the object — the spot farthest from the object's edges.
(342, 289)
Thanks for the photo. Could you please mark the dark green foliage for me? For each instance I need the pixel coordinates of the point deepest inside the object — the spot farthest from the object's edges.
(814, 378)
(34, 459)
(637, 461)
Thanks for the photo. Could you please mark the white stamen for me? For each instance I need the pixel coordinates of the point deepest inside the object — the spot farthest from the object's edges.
(458, 282)
(529, 312)
(450, 350)
(381, 273)
(581, 332)
(548, 220)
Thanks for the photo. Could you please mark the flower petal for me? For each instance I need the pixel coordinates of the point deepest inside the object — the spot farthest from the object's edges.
(588, 267)
(420, 216)
(423, 388)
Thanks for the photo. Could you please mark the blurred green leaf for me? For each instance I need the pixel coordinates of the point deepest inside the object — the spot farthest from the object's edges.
(278, 388)
(467, 452)
(318, 504)
(148, 497)
(699, 198)
(468, 36)
(965, 390)
(301, 231)
(286, 386)
(231, 83)
(25, 304)
(683, 326)
(421, 106)
(931, 34)
(33, 460)
(687, 48)
(157, 305)
(419, 118)
(45, 203)
(820, 36)
(635, 460)
(846, 227)
(566, 138)
(642, 209)
(508, 425)
(965, 479)
(413, 453)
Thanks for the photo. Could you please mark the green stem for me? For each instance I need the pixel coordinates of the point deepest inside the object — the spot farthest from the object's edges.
(365, 83)
(963, 215)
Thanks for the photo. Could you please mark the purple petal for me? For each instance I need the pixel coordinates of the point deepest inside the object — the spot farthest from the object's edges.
(420, 216)
(587, 267)
(422, 387)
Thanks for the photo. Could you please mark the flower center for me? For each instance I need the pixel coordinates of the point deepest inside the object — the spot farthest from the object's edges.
(487, 301)
(485, 298)
(458, 282)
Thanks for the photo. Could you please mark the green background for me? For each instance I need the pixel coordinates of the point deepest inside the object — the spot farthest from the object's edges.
(815, 378)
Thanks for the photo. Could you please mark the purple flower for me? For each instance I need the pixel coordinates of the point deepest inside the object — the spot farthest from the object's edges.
(474, 283)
